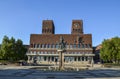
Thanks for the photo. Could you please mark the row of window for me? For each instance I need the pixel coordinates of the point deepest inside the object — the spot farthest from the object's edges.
(52, 58)
(34, 52)
(46, 30)
(56, 46)
(77, 30)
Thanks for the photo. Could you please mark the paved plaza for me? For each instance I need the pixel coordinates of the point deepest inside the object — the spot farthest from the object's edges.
(27, 73)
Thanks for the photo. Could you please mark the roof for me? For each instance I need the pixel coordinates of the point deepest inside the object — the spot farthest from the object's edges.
(54, 38)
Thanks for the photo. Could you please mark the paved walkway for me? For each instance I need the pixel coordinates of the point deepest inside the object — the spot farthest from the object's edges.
(23, 72)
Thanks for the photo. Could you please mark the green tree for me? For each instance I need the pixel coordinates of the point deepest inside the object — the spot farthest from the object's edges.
(110, 51)
(12, 50)
(20, 50)
(4, 48)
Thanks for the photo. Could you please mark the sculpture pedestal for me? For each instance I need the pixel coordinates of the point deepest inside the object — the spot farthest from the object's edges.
(61, 59)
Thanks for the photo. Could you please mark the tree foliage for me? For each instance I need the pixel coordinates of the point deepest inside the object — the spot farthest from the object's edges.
(12, 50)
(110, 51)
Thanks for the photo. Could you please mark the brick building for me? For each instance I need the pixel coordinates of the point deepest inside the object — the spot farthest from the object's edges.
(43, 47)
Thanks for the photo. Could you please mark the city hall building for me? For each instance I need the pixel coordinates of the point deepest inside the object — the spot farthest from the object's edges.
(43, 47)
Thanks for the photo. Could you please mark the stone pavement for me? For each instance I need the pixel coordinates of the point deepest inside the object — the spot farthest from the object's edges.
(26, 73)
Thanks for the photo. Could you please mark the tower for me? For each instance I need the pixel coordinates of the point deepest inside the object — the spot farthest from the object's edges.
(77, 27)
(48, 27)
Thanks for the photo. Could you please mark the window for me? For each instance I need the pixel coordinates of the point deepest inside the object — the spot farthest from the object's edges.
(37, 45)
(86, 58)
(49, 52)
(52, 58)
(44, 58)
(34, 52)
(70, 45)
(45, 52)
(42, 30)
(52, 52)
(67, 46)
(57, 46)
(88, 45)
(47, 45)
(42, 45)
(78, 45)
(50, 31)
(82, 45)
(53, 46)
(74, 46)
(78, 58)
(31, 45)
(47, 30)
(41, 52)
(74, 58)
(82, 58)
(34, 45)
(38, 52)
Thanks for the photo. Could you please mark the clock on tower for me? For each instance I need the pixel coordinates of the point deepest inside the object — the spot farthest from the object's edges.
(77, 27)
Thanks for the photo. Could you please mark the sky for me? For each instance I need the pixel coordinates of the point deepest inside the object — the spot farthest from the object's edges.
(20, 18)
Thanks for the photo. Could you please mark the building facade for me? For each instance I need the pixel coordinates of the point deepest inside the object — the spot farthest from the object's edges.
(43, 47)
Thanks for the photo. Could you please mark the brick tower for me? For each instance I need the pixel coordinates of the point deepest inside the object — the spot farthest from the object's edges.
(77, 27)
(48, 27)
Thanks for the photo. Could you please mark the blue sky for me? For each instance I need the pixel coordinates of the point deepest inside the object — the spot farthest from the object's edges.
(20, 18)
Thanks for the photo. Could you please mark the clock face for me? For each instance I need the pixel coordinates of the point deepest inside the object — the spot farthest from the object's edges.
(76, 24)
